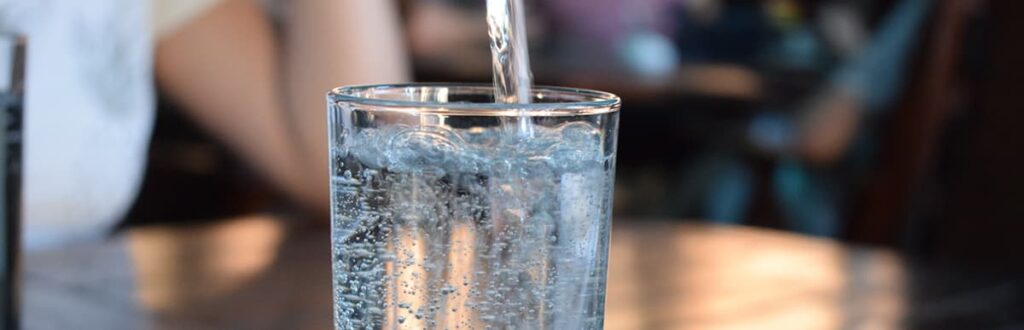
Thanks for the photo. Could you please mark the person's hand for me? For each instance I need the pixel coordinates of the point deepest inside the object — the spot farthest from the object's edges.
(827, 126)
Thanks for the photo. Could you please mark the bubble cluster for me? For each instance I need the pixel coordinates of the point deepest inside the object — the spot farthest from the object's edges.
(477, 227)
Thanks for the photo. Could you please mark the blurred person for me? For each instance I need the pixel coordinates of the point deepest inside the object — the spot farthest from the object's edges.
(90, 98)
(822, 149)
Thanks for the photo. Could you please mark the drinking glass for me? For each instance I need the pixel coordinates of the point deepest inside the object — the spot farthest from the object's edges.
(450, 211)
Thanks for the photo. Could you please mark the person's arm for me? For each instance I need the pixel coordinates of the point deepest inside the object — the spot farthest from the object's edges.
(334, 43)
(225, 68)
(871, 82)
(222, 67)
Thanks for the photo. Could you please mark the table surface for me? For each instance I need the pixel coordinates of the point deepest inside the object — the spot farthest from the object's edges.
(264, 272)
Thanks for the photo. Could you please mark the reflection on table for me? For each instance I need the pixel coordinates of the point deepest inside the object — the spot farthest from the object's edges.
(263, 271)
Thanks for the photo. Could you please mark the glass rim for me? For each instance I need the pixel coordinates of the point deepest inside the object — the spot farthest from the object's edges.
(594, 102)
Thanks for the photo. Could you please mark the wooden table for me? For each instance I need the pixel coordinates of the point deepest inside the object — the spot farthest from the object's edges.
(262, 272)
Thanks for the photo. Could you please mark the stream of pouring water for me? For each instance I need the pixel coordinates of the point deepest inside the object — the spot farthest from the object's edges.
(510, 57)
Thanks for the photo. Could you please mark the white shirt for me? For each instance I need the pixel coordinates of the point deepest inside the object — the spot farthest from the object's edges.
(89, 109)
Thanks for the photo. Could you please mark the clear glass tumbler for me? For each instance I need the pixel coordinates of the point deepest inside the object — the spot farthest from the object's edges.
(450, 211)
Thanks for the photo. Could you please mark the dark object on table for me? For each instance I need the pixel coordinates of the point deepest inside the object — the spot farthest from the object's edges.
(12, 67)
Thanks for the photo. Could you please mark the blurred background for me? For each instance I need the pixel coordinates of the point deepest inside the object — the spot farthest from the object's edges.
(874, 121)
(843, 161)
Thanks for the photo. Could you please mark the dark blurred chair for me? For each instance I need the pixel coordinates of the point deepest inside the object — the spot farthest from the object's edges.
(948, 185)
(911, 135)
